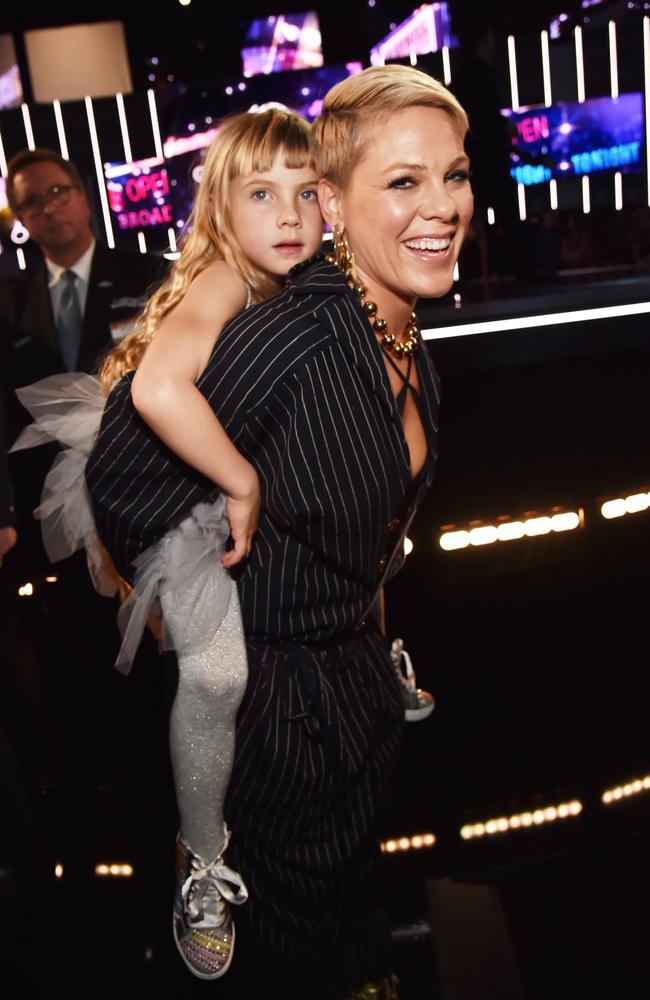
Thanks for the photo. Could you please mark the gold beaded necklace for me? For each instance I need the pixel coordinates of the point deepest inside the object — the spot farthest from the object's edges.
(342, 258)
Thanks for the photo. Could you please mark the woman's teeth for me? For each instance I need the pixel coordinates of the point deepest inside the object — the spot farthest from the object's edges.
(434, 246)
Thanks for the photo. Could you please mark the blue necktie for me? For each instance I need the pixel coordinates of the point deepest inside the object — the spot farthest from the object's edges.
(68, 323)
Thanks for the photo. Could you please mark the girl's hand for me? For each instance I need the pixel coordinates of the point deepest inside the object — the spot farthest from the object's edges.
(243, 514)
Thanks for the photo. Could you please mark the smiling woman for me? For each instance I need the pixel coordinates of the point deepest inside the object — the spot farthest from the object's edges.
(327, 392)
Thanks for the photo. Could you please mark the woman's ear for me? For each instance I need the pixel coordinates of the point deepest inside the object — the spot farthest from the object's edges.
(330, 201)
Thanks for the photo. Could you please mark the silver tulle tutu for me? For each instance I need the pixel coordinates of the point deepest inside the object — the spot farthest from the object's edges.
(67, 409)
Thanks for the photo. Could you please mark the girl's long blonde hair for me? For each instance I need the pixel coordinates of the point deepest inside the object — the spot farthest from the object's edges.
(247, 143)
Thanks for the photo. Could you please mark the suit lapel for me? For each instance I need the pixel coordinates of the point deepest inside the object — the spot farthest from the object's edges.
(37, 316)
(341, 313)
(95, 335)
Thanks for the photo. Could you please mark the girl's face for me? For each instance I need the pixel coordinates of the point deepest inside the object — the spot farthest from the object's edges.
(275, 216)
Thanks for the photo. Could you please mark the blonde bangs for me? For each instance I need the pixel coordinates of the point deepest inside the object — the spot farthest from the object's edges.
(273, 133)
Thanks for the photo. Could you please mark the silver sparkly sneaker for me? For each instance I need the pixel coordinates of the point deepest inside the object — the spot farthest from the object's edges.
(418, 704)
(203, 926)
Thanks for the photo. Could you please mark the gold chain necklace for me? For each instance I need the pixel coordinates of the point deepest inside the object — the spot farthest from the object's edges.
(342, 258)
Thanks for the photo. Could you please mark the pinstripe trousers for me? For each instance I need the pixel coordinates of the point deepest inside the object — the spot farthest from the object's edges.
(318, 734)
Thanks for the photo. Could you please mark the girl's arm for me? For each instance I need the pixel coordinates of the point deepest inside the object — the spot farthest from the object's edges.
(165, 395)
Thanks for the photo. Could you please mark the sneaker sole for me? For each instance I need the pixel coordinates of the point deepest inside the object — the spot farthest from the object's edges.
(418, 714)
(204, 975)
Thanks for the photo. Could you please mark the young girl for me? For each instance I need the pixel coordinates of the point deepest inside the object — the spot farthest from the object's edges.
(255, 215)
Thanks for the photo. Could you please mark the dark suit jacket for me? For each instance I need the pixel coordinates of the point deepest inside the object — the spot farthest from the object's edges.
(117, 286)
(116, 292)
(300, 385)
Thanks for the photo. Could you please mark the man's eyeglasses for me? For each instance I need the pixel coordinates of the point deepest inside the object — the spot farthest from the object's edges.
(57, 194)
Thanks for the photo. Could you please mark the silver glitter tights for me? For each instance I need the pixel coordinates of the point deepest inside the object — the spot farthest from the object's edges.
(211, 683)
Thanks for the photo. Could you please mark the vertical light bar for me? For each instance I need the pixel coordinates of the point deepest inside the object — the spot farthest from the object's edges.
(546, 70)
(521, 197)
(3, 158)
(580, 65)
(155, 127)
(586, 195)
(413, 58)
(171, 235)
(618, 190)
(63, 142)
(552, 193)
(101, 183)
(613, 60)
(29, 133)
(22, 263)
(512, 62)
(490, 217)
(126, 142)
(446, 65)
(456, 274)
(646, 87)
(142, 243)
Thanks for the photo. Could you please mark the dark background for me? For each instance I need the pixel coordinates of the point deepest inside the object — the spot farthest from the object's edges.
(536, 650)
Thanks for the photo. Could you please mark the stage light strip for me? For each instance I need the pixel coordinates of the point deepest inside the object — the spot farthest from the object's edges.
(155, 127)
(543, 319)
(446, 65)
(508, 531)
(29, 132)
(94, 142)
(646, 87)
(580, 65)
(521, 198)
(171, 235)
(512, 62)
(3, 158)
(126, 141)
(522, 821)
(586, 195)
(490, 217)
(456, 274)
(552, 194)
(114, 870)
(625, 791)
(613, 60)
(415, 843)
(63, 142)
(635, 503)
(142, 242)
(618, 190)
(22, 263)
(546, 70)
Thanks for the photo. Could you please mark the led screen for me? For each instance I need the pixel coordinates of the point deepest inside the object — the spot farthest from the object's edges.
(571, 140)
(139, 195)
(427, 29)
(282, 42)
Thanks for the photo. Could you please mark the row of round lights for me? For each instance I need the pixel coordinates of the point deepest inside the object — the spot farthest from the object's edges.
(633, 504)
(506, 531)
(525, 820)
(625, 791)
(114, 870)
(415, 843)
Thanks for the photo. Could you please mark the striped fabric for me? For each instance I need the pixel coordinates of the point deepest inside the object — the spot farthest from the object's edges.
(300, 385)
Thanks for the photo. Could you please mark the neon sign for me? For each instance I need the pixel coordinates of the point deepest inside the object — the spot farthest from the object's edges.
(139, 195)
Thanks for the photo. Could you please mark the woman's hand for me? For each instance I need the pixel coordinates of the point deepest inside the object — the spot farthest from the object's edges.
(243, 512)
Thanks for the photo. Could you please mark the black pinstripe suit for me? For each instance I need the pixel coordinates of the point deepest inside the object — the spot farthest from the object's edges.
(300, 385)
